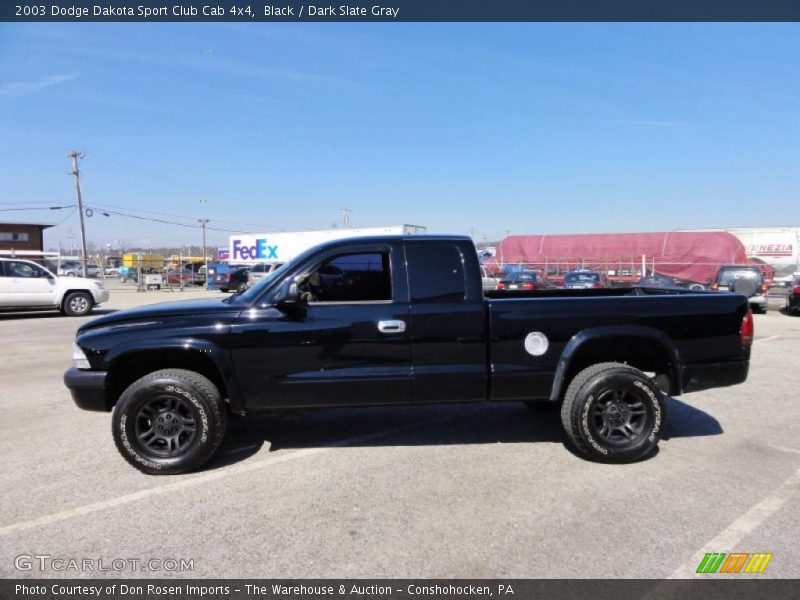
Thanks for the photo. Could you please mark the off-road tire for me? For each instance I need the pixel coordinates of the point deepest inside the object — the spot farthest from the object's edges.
(78, 304)
(585, 420)
(197, 398)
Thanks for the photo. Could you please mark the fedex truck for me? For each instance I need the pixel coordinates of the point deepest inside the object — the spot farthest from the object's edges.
(281, 246)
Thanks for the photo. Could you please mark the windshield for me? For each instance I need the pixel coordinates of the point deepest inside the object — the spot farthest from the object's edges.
(728, 276)
(581, 277)
(255, 291)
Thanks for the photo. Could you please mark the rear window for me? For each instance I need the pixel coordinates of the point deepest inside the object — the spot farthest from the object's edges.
(581, 277)
(435, 272)
(728, 276)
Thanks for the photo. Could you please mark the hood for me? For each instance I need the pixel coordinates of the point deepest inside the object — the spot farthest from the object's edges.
(79, 281)
(162, 310)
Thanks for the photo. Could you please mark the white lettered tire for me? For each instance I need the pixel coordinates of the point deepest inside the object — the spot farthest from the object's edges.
(613, 412)
(169, 421)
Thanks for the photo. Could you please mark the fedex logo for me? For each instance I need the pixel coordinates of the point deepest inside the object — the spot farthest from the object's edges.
(258, 251)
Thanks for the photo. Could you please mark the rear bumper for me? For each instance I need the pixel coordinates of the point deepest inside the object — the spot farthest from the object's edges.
(712, 375)
(759, 300)
(88, 388)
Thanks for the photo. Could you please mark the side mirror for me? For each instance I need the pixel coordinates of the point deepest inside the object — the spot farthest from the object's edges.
(287, 295)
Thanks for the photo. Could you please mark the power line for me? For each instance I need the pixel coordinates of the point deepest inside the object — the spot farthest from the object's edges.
(156, 212)
(163, 221)
(36, 208)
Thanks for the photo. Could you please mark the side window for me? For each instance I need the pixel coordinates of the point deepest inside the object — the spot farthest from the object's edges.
(435, 272)
(22, 269)
(359, 277)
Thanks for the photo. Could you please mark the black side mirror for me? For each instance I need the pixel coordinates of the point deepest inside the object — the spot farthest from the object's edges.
(287, 296)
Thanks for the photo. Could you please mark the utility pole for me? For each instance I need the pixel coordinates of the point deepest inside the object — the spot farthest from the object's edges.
(345, 218)
(75, 155)
(205, 261)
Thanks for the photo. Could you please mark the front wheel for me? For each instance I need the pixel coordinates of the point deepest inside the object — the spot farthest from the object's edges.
(613, 413)
(78, 304)
(170, 421)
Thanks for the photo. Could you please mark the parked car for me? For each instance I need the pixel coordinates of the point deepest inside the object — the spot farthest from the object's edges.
(488, 281)
(262, 271)
(235, 278)
(748, 280)
(25, 285)
(521, 280)
(399, 320)
(188, 276)
(584, 279)
(75, 269)
(111, 271)
(669, 282)
(793, 297)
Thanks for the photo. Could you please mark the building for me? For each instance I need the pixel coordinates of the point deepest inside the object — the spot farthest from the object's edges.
(22, 236)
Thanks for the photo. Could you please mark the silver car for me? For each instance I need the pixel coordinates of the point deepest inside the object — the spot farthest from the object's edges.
(260, 271)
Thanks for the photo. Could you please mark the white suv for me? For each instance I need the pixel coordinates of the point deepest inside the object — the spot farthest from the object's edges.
(25, 285)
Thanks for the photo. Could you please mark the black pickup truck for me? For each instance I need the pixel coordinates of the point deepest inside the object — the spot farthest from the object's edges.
(399, 320)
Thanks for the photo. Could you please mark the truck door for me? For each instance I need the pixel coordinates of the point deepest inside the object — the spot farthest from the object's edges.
(448, 329)
(348, 343)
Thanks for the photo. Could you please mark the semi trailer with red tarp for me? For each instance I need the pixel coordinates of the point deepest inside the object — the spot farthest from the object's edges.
(624, 257)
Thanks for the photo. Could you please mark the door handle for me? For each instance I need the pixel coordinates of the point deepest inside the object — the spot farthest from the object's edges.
(391, 326)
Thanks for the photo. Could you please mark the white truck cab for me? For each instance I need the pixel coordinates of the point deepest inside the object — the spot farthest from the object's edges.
(26, 285)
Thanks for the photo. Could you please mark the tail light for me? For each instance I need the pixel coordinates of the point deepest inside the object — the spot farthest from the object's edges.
(527, 285)
(501, 285)
(797, 290)
(764, 287)
(597, 285)
(747, 330)
(715, 286)
(227, 276)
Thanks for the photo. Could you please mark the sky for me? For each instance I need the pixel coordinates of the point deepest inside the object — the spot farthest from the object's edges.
(486, 129)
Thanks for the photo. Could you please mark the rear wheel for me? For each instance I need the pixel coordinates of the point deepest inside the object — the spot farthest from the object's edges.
(613, 413)
(241, 288)
(170, 421)
(78, 304)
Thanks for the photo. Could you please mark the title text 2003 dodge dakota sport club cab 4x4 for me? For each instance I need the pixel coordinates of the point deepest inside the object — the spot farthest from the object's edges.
(398, 320)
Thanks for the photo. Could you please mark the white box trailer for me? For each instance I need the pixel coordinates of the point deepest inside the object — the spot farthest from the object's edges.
(280, 246)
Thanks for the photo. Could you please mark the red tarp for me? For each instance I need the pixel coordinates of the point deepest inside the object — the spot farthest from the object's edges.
(693, 256)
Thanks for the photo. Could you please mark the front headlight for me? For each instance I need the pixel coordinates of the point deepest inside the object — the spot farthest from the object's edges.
(79, 359)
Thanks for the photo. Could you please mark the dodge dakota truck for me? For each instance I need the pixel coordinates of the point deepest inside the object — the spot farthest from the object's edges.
(399, 320)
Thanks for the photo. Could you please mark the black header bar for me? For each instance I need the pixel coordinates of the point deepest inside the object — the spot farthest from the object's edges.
(254, 11)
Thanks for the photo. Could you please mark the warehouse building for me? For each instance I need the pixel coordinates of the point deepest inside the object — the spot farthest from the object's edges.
(22, 236)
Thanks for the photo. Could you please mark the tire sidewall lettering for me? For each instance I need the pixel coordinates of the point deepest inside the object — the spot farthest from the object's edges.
(197, 404)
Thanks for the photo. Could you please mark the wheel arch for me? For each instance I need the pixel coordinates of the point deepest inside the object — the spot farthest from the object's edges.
(644, 348)
(126, 365)
(70, 291)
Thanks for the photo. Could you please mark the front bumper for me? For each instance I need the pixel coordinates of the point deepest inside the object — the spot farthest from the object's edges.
(88, 388)
(100, 295)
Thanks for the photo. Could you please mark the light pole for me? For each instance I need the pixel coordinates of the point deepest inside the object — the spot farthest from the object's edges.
(205, 260)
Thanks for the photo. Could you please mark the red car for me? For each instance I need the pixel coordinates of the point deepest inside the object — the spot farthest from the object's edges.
(188, 276)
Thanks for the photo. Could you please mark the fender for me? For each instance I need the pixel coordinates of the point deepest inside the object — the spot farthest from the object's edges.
(188, 344)
(616, 331)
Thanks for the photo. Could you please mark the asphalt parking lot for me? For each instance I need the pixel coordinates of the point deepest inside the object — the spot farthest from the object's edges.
(438, 491)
